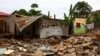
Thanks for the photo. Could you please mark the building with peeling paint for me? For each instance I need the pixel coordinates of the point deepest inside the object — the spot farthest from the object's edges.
(3, 18)
(80, 26)
(35, 26)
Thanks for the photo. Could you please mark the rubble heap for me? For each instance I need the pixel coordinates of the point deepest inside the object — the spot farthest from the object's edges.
(73, 46)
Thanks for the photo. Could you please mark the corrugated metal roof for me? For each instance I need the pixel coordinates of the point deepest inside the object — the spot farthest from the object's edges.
(24, 22)
(3, 14)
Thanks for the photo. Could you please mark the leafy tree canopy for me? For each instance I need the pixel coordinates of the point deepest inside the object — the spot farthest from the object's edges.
(34, 5)
(96, 16)
(82, 9)
(31, 12)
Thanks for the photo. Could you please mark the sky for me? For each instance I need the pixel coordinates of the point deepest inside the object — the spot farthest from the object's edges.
(58, 7)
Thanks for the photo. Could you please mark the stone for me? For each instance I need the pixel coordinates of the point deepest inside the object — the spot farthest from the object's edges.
(75, 41)
(97, 55)
(61, 48)
(61, 45)
(64, 51)
(86, 51)
(24, 49)
(67, 54)
(20, 48)
(68, 44)
(60, 53)
(54, 49)
(19, 43)
(81, 37)
(28, 54)
(43, 48)
(71, 39)
(91, 54)
(70, 50)
(2, 50)
(39, 53)
(79, 50)
(9, 52)
(77, 45)
(87, 39)
(50, 53)
(73, 54)
(79, 55)
(94, 49)
(64, 47)
(86, 44)
(73, 46)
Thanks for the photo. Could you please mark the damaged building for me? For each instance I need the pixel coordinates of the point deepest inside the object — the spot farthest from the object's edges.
(35, 26)
(3, 20)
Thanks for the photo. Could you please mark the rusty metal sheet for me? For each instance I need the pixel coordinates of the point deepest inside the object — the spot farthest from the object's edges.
(24, 22)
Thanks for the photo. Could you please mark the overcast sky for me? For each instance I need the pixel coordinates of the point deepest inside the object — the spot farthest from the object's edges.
(58, 7)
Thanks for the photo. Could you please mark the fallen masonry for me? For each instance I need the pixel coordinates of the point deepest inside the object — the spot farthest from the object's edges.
(73, 46)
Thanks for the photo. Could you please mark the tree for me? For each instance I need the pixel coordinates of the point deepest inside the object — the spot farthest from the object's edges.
(31, 12)
(15, 12)
(22, 12)
(70, 19)
(82, 9)
(96, 16)
(34, 5)
(45, 17)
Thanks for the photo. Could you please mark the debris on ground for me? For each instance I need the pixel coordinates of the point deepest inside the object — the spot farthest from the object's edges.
(73, 46)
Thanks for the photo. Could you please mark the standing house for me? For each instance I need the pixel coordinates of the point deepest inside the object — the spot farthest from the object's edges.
(3, 25)
(95, 22)
(79, 26)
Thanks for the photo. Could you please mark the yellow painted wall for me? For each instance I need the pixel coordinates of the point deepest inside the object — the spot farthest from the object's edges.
(80, 20)
(82, 29)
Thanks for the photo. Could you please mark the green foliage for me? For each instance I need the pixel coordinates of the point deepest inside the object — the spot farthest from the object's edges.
(22, 12)
(45, 17)
(96, 17)
(31, 12)
(61, 21)
(70, 18)
(82, 9)
(90, 19)
(14, 12)
(34, 5)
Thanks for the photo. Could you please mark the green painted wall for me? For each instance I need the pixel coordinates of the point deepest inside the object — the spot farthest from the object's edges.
(79, 31)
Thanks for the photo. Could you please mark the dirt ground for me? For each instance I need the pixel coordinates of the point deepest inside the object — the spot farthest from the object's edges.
(81, 45)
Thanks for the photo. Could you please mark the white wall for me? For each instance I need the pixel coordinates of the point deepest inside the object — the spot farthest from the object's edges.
(55, 30)
(90, 26)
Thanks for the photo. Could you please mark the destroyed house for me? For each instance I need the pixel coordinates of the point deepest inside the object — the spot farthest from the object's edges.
(52, 27)
(24, 25)
(34, 26)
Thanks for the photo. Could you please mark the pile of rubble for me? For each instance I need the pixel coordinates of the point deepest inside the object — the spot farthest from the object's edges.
(73, 46)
